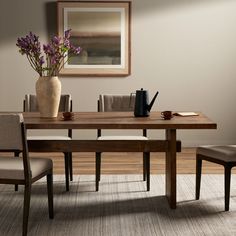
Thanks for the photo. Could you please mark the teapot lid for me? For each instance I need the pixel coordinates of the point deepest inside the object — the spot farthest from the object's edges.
(141, 89)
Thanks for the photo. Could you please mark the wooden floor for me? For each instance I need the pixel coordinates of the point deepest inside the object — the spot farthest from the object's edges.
(130, 163)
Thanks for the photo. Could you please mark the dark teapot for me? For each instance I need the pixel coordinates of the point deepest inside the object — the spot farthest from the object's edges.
(142, 106)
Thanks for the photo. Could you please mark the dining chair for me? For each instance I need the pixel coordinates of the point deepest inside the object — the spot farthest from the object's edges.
(30, 105)
(224, 155)
(117, 102)
(24, 171)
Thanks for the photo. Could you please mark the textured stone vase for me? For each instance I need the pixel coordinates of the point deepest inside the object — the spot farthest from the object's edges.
(48, 92)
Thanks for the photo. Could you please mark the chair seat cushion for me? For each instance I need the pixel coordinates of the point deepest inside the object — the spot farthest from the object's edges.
(48, 138)
(225, 153)
(122, 138)
(12, 167)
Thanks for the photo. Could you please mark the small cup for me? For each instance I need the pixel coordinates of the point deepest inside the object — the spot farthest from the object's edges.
(68, 115)
(166, 115)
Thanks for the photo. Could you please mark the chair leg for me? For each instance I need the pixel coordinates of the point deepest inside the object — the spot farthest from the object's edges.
(27, 195)
(98, 169)
(16, 187)
(144, 167)
(71, 166)
(147, 164)
(227, 186)
(66, 158)
(198, 177)
(16, 154)
(50, 195)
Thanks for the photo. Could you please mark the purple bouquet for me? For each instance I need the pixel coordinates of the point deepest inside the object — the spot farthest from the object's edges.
(56, 53)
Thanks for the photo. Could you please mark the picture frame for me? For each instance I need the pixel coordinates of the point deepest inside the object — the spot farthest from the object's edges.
(102, 30)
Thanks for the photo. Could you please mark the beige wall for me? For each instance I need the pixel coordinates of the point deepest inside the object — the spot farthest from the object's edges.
(186, 49)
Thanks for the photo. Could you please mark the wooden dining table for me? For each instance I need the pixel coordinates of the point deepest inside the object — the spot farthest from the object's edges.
(120, 120)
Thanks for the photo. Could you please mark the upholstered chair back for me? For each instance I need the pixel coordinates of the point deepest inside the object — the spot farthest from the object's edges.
(11, 132)
(30, 103)
(110, 102)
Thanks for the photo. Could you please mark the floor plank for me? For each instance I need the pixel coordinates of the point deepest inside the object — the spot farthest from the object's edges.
(129, 163)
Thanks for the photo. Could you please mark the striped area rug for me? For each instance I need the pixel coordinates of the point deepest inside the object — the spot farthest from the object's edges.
(122, 207)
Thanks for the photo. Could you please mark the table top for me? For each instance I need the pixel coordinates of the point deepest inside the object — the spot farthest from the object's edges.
(117, 120)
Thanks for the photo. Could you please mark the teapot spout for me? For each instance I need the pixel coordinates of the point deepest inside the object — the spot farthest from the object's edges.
(149, 107)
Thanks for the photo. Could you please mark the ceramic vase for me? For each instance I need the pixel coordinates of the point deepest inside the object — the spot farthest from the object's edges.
(48, 92)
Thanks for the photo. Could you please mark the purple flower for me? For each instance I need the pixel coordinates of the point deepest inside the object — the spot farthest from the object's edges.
(53, 60)
(56, 40)
(75, 50)
(33, 37)
(55, 52)
(67, 43)
(48, 49)
(68, 33)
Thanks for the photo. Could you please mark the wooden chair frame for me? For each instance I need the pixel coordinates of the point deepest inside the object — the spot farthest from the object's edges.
(227, 175)
(28, 181)
(67, 156)
(146, 160)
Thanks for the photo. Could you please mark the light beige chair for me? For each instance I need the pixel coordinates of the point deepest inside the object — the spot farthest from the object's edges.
(30, 105)
(224, 155)
(111, 102)
(24, 171)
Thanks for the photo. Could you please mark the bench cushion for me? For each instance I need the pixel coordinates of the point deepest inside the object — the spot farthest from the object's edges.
(225, 153)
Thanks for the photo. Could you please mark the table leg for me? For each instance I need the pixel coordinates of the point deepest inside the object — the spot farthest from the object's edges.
(171, 167)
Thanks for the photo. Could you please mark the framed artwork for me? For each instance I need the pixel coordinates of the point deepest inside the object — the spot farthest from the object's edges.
(102, 30)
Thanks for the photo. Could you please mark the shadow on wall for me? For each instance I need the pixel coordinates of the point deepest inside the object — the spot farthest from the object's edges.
(40, 16)
(19, 18)
(51, 18)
